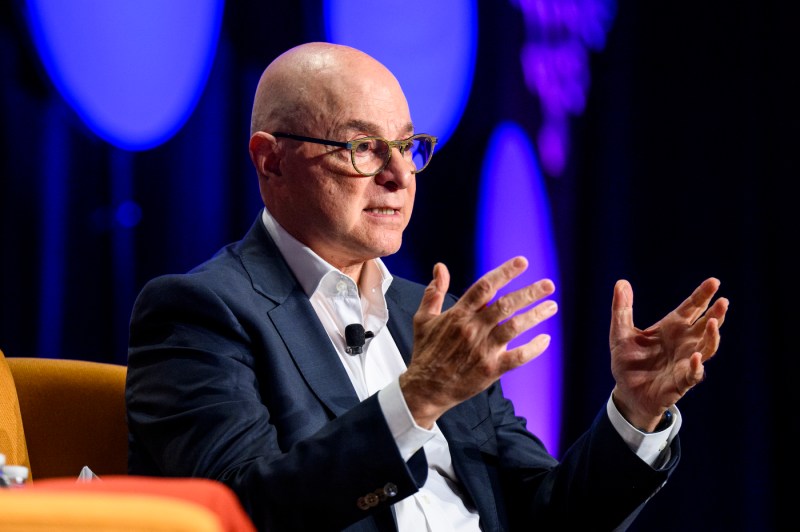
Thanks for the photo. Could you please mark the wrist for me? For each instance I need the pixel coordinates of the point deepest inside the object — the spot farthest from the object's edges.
(643, 422)
(666, 421)
(419, 402)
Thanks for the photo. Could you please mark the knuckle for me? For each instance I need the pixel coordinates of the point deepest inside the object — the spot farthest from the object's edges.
(470, 331)
(485, 370)
(543, 312)
(483, 288)
(511, 328)
(503, 306)
(539, 290)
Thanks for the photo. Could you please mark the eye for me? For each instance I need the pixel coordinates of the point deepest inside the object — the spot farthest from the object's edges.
(364, 147)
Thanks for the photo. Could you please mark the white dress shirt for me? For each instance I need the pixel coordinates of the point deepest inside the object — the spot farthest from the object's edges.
(439, 505)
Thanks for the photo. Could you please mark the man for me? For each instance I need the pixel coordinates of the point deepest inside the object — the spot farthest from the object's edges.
(243, 370)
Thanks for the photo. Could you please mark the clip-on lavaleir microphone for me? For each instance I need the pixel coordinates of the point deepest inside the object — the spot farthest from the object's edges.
(355, 337)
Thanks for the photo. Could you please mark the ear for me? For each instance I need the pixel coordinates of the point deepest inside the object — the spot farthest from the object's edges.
(265, 154)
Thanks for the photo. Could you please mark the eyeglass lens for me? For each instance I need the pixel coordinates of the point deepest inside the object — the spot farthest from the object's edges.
(421, 150)
(371, 155)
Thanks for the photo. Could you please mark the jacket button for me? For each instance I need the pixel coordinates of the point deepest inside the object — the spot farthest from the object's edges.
(371, 499)
(390, 490)
(362, 503)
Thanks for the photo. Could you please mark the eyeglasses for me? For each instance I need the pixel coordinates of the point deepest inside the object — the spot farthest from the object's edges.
(370, 155)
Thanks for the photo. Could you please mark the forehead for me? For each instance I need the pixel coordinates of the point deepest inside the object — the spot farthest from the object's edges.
(386, 128)
(366, 99)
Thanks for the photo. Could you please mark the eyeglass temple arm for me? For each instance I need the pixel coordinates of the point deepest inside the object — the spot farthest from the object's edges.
(312, 139)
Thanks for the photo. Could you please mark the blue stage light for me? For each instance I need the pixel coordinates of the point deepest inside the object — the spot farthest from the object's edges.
(133, 71)
(514, 219)
(432, 55)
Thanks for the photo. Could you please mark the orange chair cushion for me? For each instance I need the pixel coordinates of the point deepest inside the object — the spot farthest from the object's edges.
(213, 495)
(25, 510)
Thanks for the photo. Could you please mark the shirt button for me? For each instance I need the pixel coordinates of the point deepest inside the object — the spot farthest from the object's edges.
(341, 287)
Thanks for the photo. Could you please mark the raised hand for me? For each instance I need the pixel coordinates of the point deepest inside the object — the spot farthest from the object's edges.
(462, 351)
(653, 368)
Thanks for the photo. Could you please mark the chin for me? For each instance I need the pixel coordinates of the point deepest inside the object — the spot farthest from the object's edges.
(391, 250)
(382, 244)
(383, 252)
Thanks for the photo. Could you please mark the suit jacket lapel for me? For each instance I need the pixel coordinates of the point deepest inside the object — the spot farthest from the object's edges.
(456, 424)
(400, 324)
(296, 321)
(309, 346)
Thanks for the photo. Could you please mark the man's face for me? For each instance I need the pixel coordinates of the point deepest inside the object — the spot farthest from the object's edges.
(345, 217)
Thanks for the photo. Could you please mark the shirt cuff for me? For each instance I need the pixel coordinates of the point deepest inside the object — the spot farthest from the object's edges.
(408, 436)
(652, 447)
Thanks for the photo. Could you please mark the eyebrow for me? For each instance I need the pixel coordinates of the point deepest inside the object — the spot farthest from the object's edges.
(372, 127)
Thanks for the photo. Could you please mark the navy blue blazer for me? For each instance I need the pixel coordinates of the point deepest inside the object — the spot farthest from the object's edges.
(231, 376)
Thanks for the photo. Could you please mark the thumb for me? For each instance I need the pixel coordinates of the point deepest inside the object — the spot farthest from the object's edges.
(621, 308)
(433, 298)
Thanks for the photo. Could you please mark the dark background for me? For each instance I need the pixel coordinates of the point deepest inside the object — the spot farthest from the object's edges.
(683, 166)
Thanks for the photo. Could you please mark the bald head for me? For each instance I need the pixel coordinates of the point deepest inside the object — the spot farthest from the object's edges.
(332, 93)
(310, 83)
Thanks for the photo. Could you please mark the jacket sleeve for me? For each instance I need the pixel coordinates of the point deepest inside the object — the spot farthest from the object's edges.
(516, 484)
(598, 484)
(211, 393)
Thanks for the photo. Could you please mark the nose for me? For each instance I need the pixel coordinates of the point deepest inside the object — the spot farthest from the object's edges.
(398, 173)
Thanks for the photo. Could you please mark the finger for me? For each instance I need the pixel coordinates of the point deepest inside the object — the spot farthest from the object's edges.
(709, 343)
(523, 354)
(483, 291)
(693, 375)
(510, 303)
(696, 304)
(621, 308)
(697, 372)
(510, 329)
(435, 292)
(718, 310)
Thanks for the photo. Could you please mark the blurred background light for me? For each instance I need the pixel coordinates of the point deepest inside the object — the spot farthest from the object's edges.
(133, 71)
(432, 54)
(514, 219)
(560, 34)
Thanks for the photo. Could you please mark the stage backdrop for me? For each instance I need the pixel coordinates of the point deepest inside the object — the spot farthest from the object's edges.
(653, 142)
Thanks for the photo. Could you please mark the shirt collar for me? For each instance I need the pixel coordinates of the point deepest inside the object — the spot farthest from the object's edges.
(310, 269)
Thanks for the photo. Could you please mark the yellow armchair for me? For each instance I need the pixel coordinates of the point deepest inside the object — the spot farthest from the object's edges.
(57, 416)
(12, 433)
(67, 414)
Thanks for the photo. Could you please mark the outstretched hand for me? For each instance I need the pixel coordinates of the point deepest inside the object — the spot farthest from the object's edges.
(462, 351)
(655, 367)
